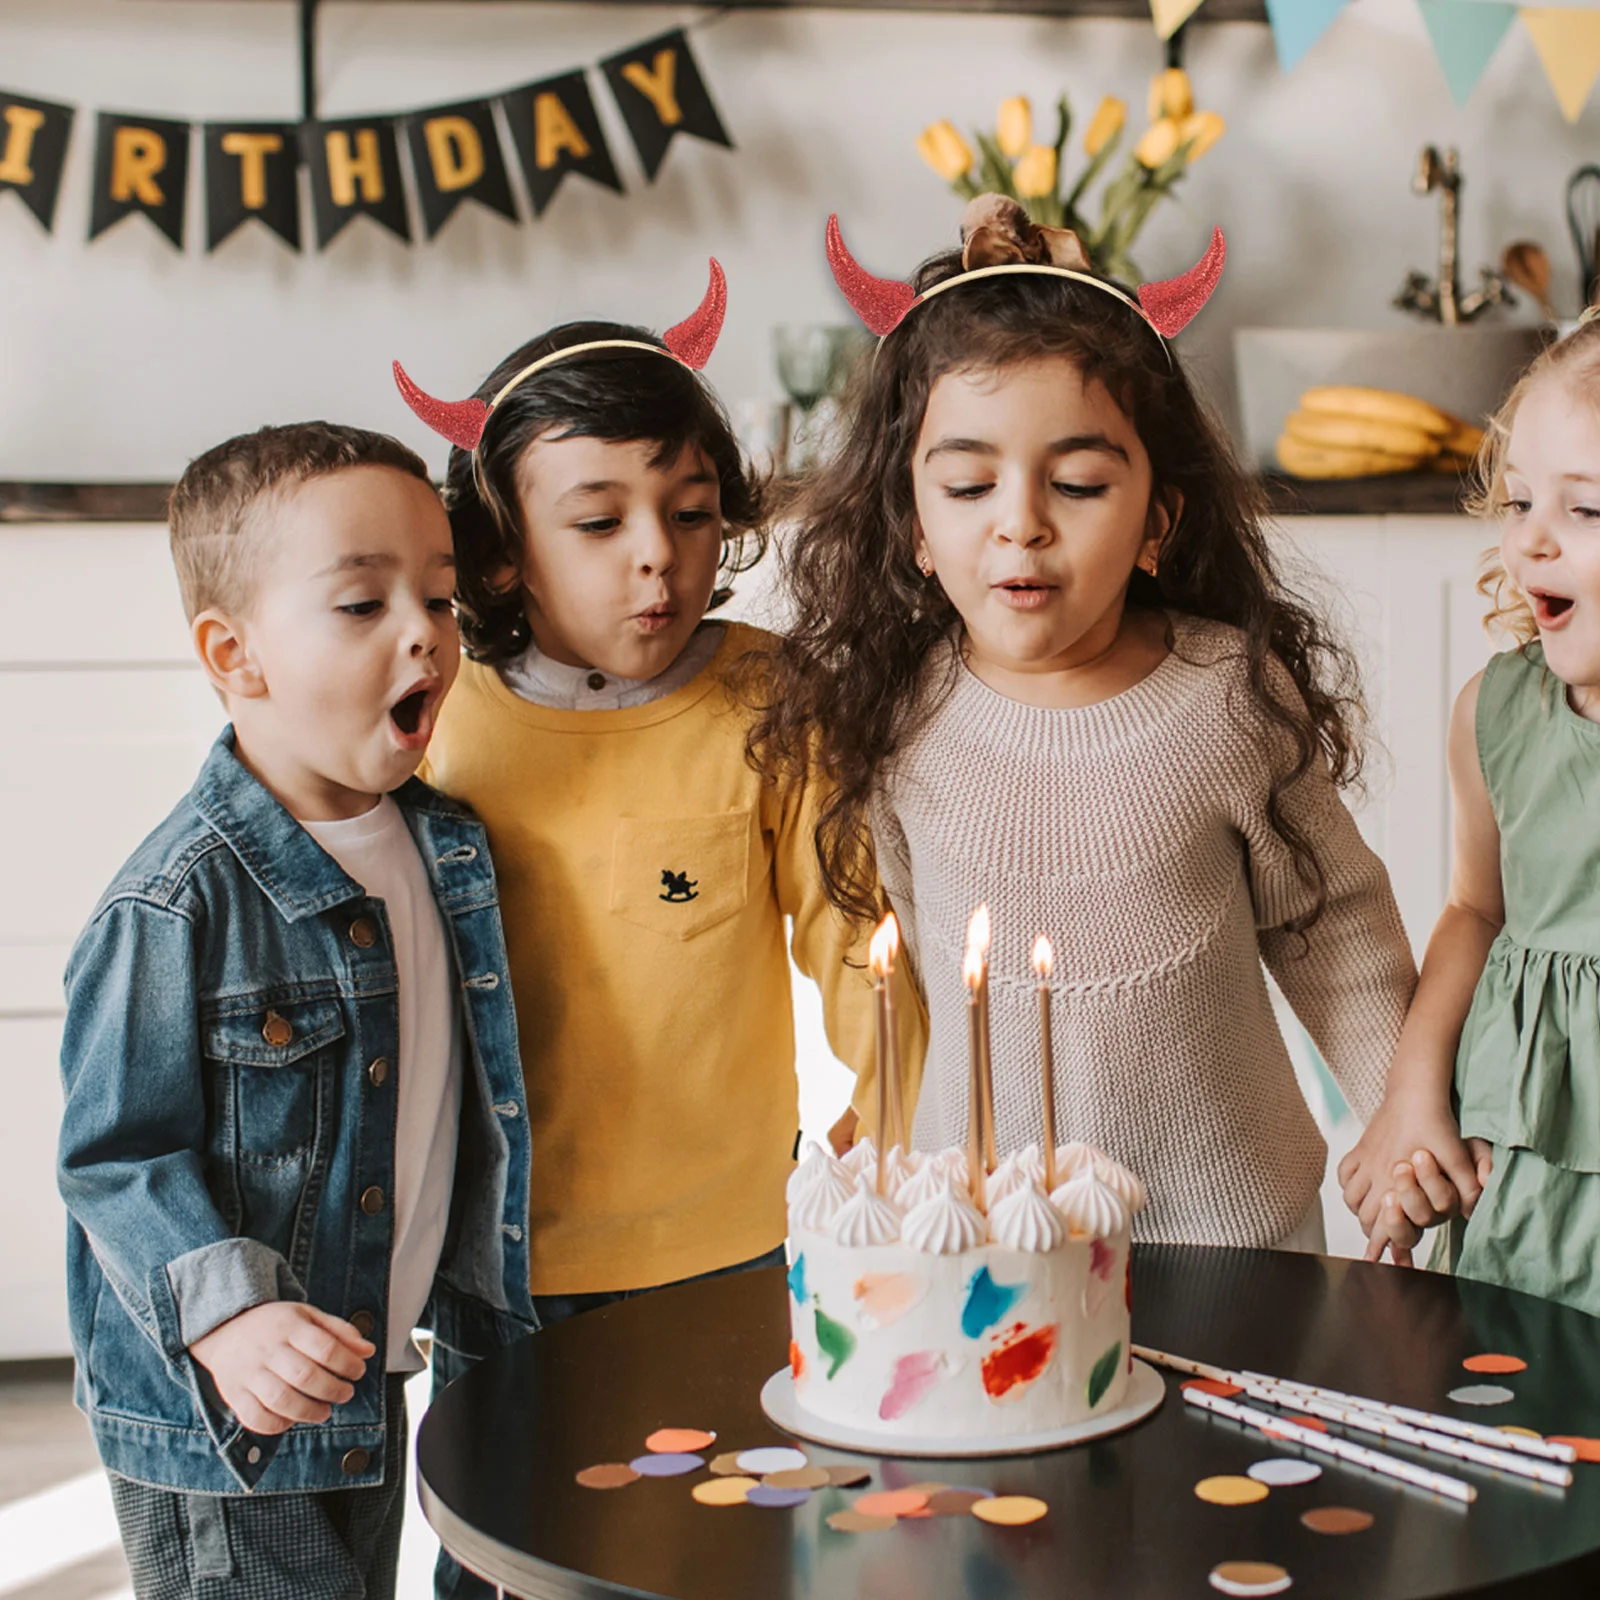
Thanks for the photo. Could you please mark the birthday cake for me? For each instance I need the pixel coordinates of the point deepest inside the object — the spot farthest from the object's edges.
(932, 1307)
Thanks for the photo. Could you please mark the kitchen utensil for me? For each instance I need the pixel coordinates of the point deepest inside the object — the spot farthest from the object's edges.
(1527, 266)
(1583, 221)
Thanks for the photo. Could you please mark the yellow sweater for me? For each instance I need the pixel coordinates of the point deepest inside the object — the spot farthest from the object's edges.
(645, 874)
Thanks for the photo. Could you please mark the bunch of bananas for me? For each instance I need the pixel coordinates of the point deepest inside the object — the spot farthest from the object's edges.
(1350, 432)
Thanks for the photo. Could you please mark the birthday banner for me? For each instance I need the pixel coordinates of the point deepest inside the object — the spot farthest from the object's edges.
(456, 153)
(1465, 34)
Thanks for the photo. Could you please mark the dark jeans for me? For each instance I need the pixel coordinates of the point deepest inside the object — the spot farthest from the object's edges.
(452, 1582)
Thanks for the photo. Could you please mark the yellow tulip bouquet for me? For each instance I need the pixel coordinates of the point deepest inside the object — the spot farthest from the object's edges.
(1011, 163)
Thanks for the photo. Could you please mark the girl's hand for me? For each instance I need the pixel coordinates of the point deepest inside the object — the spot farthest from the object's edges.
(1412, 1129)
(1395, 1232)
(843, 1133)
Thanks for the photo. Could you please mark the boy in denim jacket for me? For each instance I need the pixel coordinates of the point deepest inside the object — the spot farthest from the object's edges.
(295, 1123)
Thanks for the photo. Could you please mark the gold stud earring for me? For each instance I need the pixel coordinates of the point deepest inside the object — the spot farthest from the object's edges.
(924, 566)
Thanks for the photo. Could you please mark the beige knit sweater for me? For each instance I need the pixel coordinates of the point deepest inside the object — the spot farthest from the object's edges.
(1134, 833)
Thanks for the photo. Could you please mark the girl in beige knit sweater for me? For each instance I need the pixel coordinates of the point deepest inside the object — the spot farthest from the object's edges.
(1040, 643)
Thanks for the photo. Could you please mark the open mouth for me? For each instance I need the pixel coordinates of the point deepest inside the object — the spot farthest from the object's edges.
(409, 712)
(1550, 610)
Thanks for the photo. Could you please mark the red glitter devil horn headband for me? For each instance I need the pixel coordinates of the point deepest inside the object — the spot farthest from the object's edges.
(883, 303)
(690, 342)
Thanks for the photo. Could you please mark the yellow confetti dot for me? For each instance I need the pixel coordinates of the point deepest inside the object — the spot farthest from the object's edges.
(1230, 1491)
(723, 1491)
(1010, 1510)
(1526, 1433)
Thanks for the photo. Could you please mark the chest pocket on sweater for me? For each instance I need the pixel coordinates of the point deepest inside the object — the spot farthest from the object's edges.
(679, 876)
(269, 1058)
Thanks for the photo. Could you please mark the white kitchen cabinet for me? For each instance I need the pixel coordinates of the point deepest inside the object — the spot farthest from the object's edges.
(104, 718)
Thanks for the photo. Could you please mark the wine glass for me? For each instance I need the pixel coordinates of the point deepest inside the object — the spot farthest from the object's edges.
(814, 360)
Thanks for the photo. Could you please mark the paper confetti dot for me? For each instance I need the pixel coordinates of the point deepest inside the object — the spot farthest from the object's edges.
(1494, 1363)
(1250, 1578)
(929, 1489)
(1587, 1449)
(673, 1465)
(674, 1441)
(771, 1458)
(1525, 1433)
(723, 1491)
(1482, 1394)
(777, 1499)
(1230, 1491)
(1010, 1510)
(842, 1477)
(1337, 1519)
(727, 1466)
(890, 1503)
(1284, 1472)
(1315, 1424)
(1214, 1386)
(798, 1478)
(609, 1475)
(956, 1502)
(858, 1522)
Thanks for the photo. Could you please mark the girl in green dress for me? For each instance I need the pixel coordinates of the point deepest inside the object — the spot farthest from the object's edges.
(1507, 1012)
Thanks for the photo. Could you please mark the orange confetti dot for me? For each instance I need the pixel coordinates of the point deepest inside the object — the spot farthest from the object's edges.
(1230, 1491)
(678, 1441)
(1010, 1510)
(1587, 1449)
(1315, 1424)
(1224, 1391)
(723, 1491)
(891, 1503)
(1493, 1363)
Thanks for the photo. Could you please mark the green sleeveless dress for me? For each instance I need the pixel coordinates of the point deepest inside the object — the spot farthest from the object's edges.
(1528, 1069)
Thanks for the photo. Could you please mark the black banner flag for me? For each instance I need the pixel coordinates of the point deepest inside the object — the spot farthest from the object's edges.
(556, 131)
(455, 155)
(251, 171)
(140, 164)
(355, 172)
(659, 91)
(33, 150)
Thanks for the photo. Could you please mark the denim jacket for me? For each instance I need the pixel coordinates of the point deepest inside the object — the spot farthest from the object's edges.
(228, 1137)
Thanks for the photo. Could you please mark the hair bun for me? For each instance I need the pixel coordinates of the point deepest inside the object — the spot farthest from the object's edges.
(996, 231)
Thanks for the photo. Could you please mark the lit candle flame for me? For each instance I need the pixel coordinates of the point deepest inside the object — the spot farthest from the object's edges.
(979, 932)
(1044, 958)
(972, 970)
(884, 948)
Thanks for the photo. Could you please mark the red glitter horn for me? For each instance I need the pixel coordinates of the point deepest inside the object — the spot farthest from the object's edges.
(879, 302)
(459, 421)
(693, 339)
(1172, 304)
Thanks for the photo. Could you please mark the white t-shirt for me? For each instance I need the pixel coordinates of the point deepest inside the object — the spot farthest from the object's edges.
(378, 851)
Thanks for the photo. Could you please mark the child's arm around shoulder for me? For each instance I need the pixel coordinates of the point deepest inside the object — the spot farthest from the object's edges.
(1414, 1130)
(131, 1166)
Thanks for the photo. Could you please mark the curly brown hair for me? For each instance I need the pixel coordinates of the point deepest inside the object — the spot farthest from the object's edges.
(841, 689)
(1577, 359)
(617, 395)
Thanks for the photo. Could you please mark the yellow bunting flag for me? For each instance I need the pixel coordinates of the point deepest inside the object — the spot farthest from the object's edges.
(1568, 42)
(1170, 15)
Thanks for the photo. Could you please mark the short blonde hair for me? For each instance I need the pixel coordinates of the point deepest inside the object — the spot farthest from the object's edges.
(216, 511)
(1576, 358)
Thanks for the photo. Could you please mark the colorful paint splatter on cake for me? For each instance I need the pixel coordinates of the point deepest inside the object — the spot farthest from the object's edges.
(988, 1303)
(1019, 1360)
(797, 1279)
(884, 1297)
(835, 1341)
(797, 1363)
(914, 1377)
(1100, 1376)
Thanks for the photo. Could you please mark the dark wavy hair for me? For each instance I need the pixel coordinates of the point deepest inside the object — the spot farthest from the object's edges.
(622, 396)
(841, 689)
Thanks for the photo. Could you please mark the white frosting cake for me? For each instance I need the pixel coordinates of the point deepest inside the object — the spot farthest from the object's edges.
(915, 1315)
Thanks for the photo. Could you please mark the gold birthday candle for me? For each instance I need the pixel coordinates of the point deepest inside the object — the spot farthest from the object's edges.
(1043, 966)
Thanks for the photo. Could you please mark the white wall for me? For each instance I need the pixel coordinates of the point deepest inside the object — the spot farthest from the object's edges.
(122, 359)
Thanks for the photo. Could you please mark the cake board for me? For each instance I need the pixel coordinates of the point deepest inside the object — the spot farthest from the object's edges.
(1145, 1392)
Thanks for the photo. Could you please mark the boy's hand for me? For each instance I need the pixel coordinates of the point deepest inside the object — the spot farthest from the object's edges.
(282, 1363)
(1394, 1230)
(843, 1133)
(1406, 1128)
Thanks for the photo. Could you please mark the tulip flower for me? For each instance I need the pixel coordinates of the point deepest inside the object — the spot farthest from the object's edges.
(1200, 131)
(1014, 126)
(1158, 143)
(1171, 95)
(943, 148)
(1107, 123)
(1035, 174)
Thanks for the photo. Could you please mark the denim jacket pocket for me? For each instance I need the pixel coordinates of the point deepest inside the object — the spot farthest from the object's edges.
(679, 876)
(270, 1060)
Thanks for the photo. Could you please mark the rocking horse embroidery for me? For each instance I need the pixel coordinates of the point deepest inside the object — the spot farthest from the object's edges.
(679, 886)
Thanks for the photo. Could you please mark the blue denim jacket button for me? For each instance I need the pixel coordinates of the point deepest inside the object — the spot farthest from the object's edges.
(355, 1461)
(363, 934)
(378, 1072)
(372, 1200)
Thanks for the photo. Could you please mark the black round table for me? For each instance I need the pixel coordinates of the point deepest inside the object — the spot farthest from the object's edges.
(497, 1454)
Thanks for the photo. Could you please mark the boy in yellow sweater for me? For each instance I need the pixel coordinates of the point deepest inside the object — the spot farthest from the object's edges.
(646, 870)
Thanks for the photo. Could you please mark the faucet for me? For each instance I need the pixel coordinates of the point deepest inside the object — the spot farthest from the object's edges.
(1441, 300)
